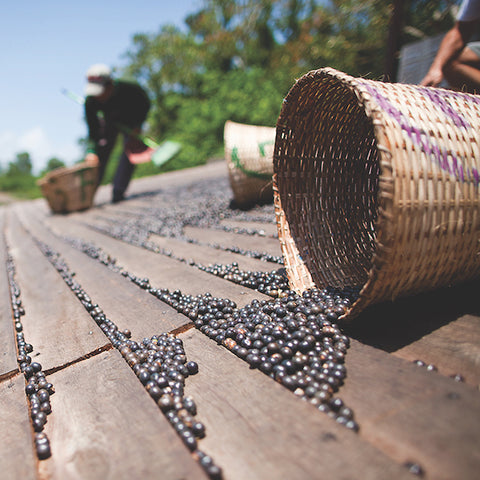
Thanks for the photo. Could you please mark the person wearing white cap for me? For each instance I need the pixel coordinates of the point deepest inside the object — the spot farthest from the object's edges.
(458, 57)
(112, 106)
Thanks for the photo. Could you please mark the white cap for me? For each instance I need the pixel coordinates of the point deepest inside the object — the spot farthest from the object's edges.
(98, 76)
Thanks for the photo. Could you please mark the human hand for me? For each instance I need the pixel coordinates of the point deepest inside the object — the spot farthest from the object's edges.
(91, 159)
(433, 78)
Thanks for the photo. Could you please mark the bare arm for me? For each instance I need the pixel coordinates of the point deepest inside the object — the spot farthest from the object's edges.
(452, 45)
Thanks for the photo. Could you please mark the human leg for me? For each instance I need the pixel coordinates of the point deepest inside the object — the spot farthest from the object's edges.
(122, 177)
(104, 150)
(463, 73)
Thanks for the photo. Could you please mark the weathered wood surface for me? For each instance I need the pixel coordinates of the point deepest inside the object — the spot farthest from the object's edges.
(8, 355)
(402, 406)
(124, 303)
(162, 271)
(441, 328)
(58, 326)
(104, 424)
(203, 255)
(17, 459)
(294, 440)
(453, 348)
(263, 229)
(267, 245)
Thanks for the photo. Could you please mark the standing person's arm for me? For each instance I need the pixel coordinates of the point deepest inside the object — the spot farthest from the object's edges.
(453, 61)
(450, 48)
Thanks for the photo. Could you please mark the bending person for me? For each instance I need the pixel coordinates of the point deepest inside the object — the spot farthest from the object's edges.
(112, 106)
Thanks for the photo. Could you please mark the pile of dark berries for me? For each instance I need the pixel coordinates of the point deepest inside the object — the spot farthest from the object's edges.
(37, 388)
(245, 231)
(169, 212)
(269, 283)
(161, 365)
(292, 338)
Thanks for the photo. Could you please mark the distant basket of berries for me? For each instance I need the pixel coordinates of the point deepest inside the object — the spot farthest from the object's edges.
(249, 157)
(377, 186)
(70, 189)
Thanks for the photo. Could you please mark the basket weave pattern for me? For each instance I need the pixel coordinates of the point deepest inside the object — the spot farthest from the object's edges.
(249, 156)
(377, 186)
(70, 189)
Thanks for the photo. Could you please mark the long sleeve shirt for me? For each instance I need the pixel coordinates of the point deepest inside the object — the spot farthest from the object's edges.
(127, 107)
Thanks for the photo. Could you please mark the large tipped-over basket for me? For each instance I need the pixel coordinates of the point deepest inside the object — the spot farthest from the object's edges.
(70, 189)
(249, 156)
(377, 186)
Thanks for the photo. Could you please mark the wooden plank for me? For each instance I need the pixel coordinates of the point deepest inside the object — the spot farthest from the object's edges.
(229, 239)
(17, 452)
(439, 327)
(124, 303)
(206, 255)
(173, 179)
(257, 429)
(453, 349)
(155, 183)
(202, 254)
(8, 352)
(162, 271)
(414, 415)
(268, 229)
(60, 331)
(105, 425)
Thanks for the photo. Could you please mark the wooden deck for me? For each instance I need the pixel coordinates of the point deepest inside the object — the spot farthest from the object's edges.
(105, 425)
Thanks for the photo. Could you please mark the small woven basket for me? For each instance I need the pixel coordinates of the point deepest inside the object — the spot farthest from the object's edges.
(249, 156)
(377, 186)
(70, 189)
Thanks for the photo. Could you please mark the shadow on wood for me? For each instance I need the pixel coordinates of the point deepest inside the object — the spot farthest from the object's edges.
(390, 326)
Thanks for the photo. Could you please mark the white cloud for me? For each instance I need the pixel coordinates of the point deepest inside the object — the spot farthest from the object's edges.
(36, 142)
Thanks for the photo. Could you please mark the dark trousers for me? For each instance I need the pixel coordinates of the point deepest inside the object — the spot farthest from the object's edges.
(124, 170)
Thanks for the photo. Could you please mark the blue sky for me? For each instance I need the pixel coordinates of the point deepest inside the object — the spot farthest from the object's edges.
(47, 46)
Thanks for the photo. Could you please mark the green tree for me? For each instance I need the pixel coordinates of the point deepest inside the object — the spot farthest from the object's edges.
(424, 18)
(18, 178)
(52, 164)
(22, 165)
(238, 59)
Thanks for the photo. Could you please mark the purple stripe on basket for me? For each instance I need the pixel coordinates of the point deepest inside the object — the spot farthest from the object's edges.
(445, 107)
(460, 96)
(419, 138)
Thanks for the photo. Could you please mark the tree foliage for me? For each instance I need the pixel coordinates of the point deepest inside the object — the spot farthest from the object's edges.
(52, 164)
(22, 165)
(18, 177)
(237, 60)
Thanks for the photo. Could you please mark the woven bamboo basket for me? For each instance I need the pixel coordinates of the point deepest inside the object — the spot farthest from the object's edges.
(377, 186)
(249, 156)
(70, 189)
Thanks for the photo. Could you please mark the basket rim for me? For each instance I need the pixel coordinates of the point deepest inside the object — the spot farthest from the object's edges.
(62, 171)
